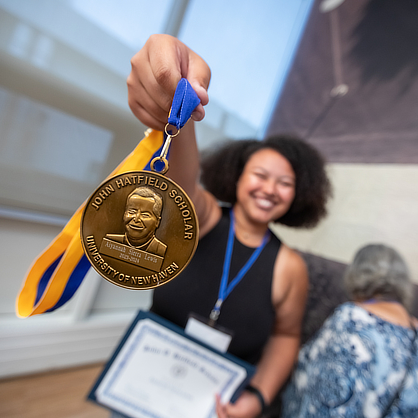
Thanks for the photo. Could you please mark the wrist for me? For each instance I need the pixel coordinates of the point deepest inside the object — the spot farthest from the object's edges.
(256, 392)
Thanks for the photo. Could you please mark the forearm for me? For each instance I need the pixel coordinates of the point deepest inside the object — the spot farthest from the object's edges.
(276, 365)
(184, 169)
(184, 159)
(272, 372)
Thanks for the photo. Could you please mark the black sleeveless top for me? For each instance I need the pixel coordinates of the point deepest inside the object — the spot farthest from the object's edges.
(247, 312)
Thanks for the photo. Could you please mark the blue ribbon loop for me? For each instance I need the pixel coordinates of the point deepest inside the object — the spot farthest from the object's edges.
(184, 102)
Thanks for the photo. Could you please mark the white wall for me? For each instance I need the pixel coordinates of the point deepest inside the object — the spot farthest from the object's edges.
(371, 203)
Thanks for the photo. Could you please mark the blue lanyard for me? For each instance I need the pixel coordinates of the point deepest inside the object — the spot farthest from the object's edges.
(225, 289)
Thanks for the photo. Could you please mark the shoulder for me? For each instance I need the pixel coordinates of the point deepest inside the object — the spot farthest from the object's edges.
(343, 318)
(290, 274)
(290, 259)
(115, 237)
(342, 337)
(208, 211)
(289, 291)
(349, 319)
(354, 318)
(159, 243)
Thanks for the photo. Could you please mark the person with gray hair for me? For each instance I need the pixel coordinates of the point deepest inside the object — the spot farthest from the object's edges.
(363, 362)
(378, 272)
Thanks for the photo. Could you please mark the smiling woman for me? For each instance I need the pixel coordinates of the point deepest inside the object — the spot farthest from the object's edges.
(311, 185)
(242, 277)
(267, 184)
(263, 187)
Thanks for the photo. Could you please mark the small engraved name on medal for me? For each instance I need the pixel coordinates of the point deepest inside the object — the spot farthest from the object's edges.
(131, 255)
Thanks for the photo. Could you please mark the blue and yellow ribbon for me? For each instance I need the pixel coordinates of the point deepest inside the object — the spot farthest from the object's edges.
(57, 273)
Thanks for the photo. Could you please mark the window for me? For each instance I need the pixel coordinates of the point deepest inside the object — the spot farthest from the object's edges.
(64, 118)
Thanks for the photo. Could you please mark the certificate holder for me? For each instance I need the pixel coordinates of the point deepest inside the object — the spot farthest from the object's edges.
(158, 371)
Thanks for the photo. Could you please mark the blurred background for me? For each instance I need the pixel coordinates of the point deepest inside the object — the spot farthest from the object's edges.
(340, 74)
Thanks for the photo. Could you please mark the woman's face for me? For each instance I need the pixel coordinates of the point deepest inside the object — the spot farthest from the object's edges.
(266, 187)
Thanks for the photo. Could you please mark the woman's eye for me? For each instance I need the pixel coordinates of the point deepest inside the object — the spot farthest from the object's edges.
(261, 175)
(287, 184)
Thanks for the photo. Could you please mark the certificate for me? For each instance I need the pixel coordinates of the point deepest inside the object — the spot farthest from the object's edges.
(160, 372)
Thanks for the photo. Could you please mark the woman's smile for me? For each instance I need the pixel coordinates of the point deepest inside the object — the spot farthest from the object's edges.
(266, 188)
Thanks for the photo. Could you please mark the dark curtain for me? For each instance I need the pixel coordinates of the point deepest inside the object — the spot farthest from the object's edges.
(352, 89)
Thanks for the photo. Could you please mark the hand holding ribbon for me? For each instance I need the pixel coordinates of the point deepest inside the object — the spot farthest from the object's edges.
(156, 70)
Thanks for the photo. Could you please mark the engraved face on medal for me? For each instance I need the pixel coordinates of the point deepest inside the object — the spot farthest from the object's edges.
(139, 230)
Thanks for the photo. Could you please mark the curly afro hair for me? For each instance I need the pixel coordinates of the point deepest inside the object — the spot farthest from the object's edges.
(222, 167)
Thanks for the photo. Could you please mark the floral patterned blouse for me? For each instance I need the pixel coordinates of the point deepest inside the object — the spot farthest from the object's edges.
(353, 368)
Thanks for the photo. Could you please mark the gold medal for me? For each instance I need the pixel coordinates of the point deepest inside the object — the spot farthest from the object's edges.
(139, 229)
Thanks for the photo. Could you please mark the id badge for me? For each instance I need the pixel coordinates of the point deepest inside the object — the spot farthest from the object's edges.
(215, 336)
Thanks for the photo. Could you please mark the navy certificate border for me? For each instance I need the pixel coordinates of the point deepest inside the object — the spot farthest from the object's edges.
(249, 368)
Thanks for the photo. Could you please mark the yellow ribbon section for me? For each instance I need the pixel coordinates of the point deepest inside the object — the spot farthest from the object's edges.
(69, 242)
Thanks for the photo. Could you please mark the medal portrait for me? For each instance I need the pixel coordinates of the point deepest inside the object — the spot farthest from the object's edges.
(141, 218)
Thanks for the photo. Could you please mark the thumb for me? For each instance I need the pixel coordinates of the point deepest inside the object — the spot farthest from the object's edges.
(198, 75)
(195, 69)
